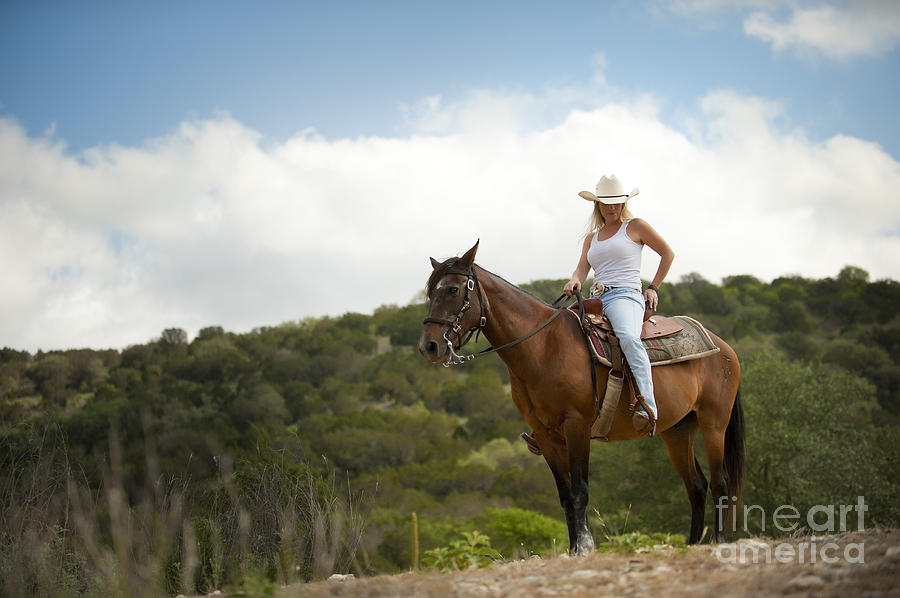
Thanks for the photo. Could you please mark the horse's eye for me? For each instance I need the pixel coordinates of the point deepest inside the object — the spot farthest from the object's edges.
(453, 290)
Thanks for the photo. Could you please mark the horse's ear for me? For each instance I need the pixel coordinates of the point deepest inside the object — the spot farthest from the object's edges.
(434, 263)
(468, 257)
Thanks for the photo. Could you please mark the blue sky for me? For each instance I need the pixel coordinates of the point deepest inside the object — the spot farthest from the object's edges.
(162, 156)
(124, 72)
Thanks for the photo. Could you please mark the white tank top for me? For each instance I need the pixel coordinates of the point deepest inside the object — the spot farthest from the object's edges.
(617, 260)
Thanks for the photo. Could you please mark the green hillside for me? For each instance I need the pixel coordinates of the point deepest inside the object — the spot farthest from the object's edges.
(297, 450)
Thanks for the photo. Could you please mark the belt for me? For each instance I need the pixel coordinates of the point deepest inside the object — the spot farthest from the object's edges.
(598, 288)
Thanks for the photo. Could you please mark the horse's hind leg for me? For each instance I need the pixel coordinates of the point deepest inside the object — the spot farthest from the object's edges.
(679, 441)
(714, 442)
(717, 409)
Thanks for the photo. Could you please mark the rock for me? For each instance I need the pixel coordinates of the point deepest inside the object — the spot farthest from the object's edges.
(339, 577)
(584, 574)
(806, 582)
(473, 588)
(634, 565)
(844, 571)
(893, 553)
(753, 543)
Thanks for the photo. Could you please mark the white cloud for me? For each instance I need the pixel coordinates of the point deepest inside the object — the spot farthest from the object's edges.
(210, 225)
(836, 30)
(858, 29)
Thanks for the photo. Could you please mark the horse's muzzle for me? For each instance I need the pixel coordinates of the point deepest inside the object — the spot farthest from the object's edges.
(433, 349)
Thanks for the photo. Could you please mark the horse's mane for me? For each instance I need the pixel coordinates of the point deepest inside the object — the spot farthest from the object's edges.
(448, 266)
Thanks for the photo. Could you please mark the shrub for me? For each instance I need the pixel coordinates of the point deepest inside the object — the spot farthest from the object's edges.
(473, 550)
(519, 533)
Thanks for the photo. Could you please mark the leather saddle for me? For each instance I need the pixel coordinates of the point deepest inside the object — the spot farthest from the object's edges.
(654, 326)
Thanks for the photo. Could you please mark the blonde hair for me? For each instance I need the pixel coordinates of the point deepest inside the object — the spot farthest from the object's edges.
(597, 221)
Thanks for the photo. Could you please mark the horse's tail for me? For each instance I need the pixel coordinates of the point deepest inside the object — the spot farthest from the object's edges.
(734, 451)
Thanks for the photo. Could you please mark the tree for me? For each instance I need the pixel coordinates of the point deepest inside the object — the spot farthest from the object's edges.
(210, 332)
(173, 336)
(402, 325)
(853, 275)
(550, 290)
(51, 374)
(811, 439)
(742, 282)
(260, 403)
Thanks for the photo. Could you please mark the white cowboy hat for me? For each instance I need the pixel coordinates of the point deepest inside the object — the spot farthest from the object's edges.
(609, 191)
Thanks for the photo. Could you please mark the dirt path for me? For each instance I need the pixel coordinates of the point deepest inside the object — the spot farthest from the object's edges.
(862, 564)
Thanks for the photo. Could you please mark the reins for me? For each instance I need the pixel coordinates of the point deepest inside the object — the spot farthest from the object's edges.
(587, 340)
(461, 359)
(472, 284)
(455, 324)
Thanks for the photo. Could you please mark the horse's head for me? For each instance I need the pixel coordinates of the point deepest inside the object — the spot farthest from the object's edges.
(456, 307)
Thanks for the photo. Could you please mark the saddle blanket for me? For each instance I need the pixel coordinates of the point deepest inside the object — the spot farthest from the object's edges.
(692, 342)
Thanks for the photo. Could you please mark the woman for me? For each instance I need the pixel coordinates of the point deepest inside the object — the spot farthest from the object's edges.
(612, 248)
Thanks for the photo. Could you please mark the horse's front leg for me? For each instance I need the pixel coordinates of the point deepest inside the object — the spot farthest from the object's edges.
(569, 460)
(565, 500)
(578, 441)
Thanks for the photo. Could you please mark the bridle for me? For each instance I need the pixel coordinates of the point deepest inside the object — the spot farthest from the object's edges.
(455, 324)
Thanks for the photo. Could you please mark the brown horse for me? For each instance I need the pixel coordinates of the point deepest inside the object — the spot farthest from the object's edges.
(550, 378)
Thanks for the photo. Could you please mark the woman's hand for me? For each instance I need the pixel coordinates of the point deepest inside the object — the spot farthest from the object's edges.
(652, 299)
(572, 287)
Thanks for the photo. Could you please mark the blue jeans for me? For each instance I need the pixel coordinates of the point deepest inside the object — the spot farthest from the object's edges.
(625, 310)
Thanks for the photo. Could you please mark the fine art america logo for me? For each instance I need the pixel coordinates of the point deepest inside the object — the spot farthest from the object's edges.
(820, 519)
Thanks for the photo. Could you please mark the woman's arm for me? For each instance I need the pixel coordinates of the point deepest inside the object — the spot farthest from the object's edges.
(581, 270)
(652, 239)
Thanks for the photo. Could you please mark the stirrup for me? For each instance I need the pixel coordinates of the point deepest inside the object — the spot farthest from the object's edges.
(531, 442)
(641, 421)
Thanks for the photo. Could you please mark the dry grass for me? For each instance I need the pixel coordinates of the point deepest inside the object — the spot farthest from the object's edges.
(270, 521)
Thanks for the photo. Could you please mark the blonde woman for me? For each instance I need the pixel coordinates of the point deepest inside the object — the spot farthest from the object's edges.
(612, 249)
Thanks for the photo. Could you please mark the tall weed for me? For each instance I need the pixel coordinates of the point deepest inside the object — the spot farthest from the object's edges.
(269, 518)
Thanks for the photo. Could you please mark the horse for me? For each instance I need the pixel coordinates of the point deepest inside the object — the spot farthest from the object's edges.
(551, 385)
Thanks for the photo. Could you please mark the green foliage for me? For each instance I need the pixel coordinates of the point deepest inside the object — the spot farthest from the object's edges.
(812, 441)
(634, 541)
(402, 325)
(519, 533)
(51, 376)
(254, 585)
(363, 440)
(473, 550)
(550, 290)
(173, 337)
(269, 518)
(236, 422)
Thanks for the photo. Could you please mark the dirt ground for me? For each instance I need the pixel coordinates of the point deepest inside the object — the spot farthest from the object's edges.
(862, 564)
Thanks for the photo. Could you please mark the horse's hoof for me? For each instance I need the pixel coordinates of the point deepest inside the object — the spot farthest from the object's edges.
(531, 442)
(585, 546)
